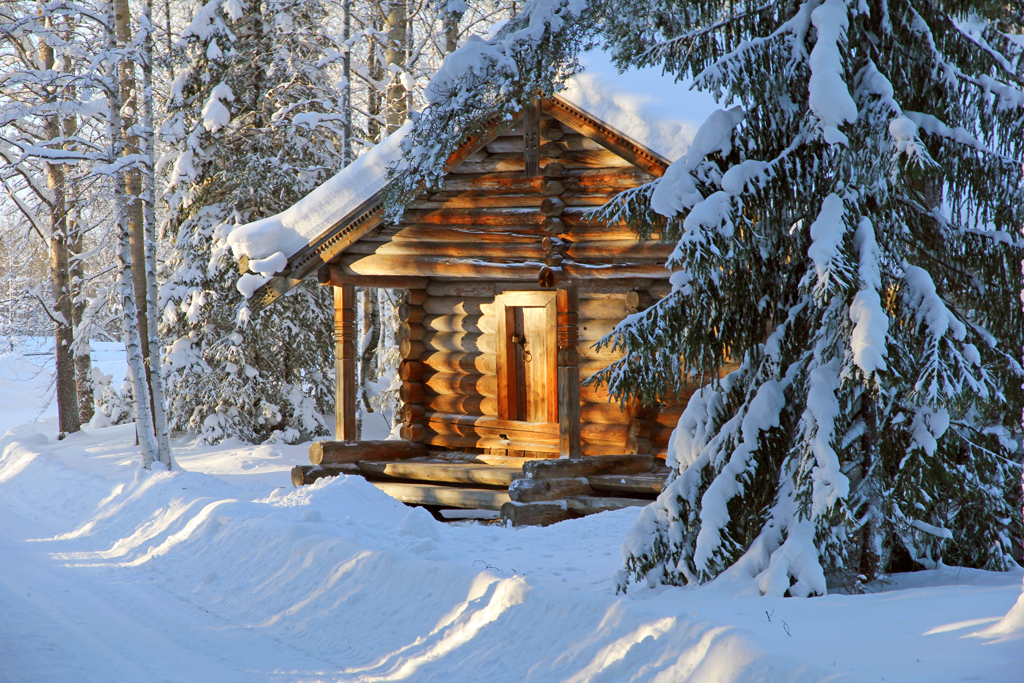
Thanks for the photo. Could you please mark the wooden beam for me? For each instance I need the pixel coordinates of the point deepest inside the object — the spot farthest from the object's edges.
(585, 467)
(338, 452)
(536, 490)
(459, 473)
(628, 483)
(567, 336)
(331, 274)
(588, 505)
(569, 114)
(303, 475)
(535, 514)
(345, 363)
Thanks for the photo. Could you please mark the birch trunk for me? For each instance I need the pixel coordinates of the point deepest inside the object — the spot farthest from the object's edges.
(132, 175)
(346, 65)
(130, 314)
(395, 57)
(149, 222)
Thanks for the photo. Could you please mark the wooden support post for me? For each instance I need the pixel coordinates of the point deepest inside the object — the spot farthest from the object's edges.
(567, 307)
(531, 138)
(345, 363)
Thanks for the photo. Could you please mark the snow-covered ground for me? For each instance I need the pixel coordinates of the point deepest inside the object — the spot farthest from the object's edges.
(223, 572)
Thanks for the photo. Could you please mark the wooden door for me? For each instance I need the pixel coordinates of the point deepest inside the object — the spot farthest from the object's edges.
(527, 372)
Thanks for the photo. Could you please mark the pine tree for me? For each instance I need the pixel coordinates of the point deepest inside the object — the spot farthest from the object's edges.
(254, 125)
(850, 234)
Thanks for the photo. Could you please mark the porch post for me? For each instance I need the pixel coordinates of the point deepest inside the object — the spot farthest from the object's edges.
(567, 307)
(345, 363)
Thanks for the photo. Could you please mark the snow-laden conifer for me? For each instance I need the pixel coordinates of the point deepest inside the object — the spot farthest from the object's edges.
(253, 126)
(848, 232)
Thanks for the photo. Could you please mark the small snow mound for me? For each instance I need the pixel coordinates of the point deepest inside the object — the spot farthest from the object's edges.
(419, 523)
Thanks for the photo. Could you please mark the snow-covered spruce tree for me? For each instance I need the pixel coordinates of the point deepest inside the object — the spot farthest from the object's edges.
(253, 124)
(850, 234)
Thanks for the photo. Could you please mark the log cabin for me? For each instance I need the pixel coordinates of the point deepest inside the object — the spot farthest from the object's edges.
(506, 285)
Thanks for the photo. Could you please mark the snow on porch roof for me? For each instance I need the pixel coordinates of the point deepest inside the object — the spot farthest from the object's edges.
(642, 104)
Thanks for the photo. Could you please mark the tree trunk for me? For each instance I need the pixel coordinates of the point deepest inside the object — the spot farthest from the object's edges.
(130, 314)
(396, 29)
(63, 336)
(149, 231)
(132, 175)
(451, 31)
(346, 142)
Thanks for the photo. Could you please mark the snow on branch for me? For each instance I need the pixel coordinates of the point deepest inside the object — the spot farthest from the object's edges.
(828, 95)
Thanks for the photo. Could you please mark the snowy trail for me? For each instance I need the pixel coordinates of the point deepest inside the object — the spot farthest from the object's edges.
(61, 623)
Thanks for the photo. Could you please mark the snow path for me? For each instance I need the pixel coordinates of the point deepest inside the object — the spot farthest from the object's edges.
(223, 572)
(61, 622)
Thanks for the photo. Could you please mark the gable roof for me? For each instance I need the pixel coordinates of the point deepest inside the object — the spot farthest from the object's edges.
(635, 114)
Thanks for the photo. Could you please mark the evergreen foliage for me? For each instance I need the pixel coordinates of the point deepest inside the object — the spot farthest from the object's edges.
(850, 235)
(254, 124)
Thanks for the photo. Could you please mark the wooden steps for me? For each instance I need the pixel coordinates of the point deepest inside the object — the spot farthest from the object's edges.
(527, 491)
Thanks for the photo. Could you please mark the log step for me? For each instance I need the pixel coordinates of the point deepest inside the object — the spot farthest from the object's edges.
(436, 470)
(303, 475)
(589, 466)
(628, 483)
(338, 452)
(588, 505)
(447, 496)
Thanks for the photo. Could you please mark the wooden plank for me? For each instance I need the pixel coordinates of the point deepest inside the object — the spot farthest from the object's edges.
(585, 467)
(448, 496)
(628, 483)
(339, 452)
(438, 471)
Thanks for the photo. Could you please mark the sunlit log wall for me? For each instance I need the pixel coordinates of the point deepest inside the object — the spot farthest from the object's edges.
(491, 230)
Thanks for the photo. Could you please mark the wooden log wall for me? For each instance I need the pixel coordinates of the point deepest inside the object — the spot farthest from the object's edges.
(449, 378)
(489, 230)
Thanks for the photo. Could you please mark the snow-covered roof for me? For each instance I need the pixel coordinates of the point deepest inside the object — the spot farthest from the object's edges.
(297, 226)
(643, 104)
(646, 106)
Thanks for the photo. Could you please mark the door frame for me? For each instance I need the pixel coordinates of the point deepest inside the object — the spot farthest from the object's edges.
(504, 304)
